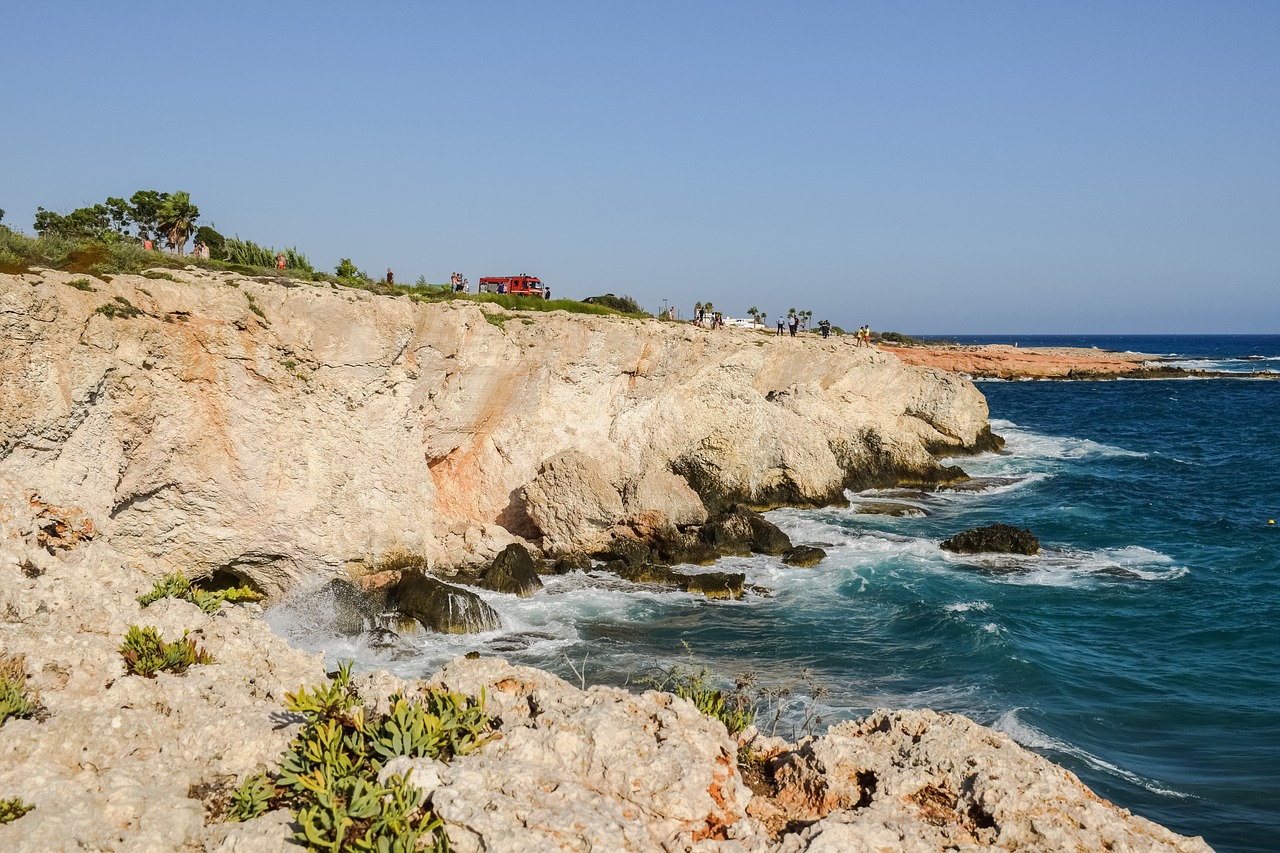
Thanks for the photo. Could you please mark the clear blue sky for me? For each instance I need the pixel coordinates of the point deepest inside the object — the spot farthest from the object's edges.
(928, 167)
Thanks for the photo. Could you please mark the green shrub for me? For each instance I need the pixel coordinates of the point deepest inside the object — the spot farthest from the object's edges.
(11, 810)
(252, 799)
(253, 306)
(621, 304)
(14, 701)
(176, 585)
(735, 709)
(328, 776)
(146, 654)
(119, 308)
(82, 284)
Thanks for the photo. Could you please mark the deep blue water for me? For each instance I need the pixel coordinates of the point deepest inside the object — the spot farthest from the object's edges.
(1140, 650)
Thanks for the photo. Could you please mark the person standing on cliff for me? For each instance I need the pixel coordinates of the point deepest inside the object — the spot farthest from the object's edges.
(780, 323)
(391, 277)
(794, 324)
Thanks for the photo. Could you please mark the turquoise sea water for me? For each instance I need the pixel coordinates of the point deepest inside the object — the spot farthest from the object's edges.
(1140, 650)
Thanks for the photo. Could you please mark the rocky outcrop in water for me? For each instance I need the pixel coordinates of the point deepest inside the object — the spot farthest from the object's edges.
(279, 432)
(994, 539)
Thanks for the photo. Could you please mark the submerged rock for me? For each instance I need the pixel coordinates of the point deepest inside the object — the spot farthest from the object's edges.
(994, 539)
(513, 571)
(442, 607)
(890, 508)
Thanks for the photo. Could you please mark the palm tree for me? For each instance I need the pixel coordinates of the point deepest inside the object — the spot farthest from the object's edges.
(754, 313)
(808, 315)
(177, 216)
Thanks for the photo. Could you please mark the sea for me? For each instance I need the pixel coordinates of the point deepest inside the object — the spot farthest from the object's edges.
(1140, 649)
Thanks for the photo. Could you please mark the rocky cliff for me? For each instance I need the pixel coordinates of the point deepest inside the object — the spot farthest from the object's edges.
(283, 432)
(280, 431)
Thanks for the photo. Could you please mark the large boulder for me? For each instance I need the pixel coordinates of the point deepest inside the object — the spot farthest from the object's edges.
(513, 571)
(804, 556)
(573, 502)
(677, 546)
(741, 532)
(443, 607)
(352, 610)
(659, 499)
(994, 539)
(626, 548)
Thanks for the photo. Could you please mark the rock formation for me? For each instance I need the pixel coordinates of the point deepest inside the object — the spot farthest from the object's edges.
(279, 431)
(994, 539)
(278, 434)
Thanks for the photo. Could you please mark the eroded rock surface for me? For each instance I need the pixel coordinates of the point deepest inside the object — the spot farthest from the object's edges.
(336, 426)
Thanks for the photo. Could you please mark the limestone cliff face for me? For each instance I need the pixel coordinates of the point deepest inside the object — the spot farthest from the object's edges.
(285, 430)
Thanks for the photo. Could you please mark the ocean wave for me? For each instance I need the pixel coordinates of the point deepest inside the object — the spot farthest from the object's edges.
(1030, 737)
(1030, 445)
(967, 606)
(1068, 567)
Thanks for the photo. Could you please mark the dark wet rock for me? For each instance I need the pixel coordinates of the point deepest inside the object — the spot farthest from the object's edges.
(898, 495)
(444, 608)
(352, 611)
(626, 548)
(715, 585)
(647, 573)
(994, 539)
(977, 484)
(575, 562)
(804, 556)
(512, 571)
(741, 532)
(508, 643)
(897, 510)
(676, 546)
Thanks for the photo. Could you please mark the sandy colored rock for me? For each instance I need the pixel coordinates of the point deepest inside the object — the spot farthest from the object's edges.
(1001, 361)
(341, 426)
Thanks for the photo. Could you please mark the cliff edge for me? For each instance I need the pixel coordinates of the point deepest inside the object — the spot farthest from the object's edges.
(279, 431)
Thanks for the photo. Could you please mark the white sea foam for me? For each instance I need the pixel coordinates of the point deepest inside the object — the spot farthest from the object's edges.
(1032, 738)
(967, 606)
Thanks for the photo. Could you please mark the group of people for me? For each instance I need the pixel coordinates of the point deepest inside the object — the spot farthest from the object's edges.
(709, 319)
(458, 284)
(862, 337)
(792, 322)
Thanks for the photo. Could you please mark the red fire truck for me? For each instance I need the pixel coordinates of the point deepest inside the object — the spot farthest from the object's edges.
(518, 285)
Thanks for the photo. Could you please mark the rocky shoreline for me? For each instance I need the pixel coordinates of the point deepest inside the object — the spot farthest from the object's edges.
(248, 432)
(1001, 361)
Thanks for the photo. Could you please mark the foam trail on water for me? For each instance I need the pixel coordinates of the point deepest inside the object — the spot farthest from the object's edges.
(1032, 738)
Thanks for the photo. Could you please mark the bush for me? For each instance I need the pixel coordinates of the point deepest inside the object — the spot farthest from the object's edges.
(11, 810)
(176, 585)
(736, 709)
(14, 701)
(82, 284)
(146, 654)
(621, 304)
(328, 776)
(119, 308)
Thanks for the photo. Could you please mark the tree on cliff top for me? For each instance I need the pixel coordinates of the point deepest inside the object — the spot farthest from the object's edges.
(177, 217)
(625, 304)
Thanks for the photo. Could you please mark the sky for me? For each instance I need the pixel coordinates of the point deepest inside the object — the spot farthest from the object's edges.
(926, 167)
